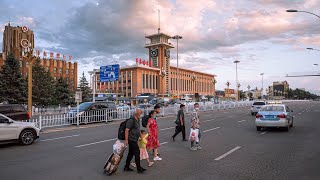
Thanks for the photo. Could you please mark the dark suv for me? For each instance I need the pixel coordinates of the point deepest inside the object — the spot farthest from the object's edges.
(14, 111)
(93, 112)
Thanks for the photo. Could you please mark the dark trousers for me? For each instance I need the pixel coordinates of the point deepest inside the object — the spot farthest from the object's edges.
(180, 129)
(133, 151)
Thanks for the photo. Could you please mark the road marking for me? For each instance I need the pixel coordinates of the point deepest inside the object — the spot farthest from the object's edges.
(299, 113)
(263, 132)
(211, 129)
(230, 116)
(227, 153)
(167, 128)
(241, 121)
(163, 143)
(96, 142)
(60, 138)
(207, 120)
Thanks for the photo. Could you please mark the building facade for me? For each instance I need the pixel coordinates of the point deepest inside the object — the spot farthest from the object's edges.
(278, 90)
(157, 77)
(15, 39)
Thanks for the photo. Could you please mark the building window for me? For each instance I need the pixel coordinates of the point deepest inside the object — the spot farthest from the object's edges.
(60, 70)
(171, 84)
(27, 64)
(147, 81)
(151, 83)
(47, 69)
(55, 78)
(20, 63)
(55, 70)
(157, 81)
(129, 74)
(67, 71)
(143, 81)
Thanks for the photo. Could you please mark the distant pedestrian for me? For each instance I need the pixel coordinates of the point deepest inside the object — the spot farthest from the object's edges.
(157, 109)
(142, 142)
(132, 135)
(153, 140)
(195, 124)
(180, 124)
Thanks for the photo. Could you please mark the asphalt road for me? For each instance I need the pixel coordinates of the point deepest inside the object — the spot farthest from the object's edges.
(232, 149)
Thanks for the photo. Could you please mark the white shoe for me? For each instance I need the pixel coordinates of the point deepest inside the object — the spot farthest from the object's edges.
(198, 147)
(157, 158)
(151, 163)
(133, 164)
(193, 148)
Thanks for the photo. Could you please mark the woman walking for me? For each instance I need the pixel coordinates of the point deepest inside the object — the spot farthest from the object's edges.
(153, 141)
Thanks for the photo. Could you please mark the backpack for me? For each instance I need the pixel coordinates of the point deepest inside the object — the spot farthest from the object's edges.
(144, 121)
(122, 130)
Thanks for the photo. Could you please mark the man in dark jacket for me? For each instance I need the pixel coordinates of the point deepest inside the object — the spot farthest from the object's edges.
(180, 124)
(132, 135)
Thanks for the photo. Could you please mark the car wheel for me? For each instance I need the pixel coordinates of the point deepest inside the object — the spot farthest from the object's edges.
(26, 137)
(258, 128)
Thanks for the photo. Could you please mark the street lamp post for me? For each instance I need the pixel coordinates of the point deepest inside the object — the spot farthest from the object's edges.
(177, 37)
(194, 78)
(236, 62)
(162, 73)
(262, 84)
(29, 56)
(293, 10)
(214, 81)
(249, 91)
(93, 85)
(238, 94)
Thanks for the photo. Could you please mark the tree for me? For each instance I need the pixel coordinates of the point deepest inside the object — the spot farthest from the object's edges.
(62, 93)
(13, 87)
(84, 87)
(42, 85)
(242, 94)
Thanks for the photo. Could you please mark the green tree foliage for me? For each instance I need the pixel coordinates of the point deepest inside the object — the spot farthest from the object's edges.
(13, 87)
(63, 95)
(42, 84)
(84, 87)
(301, 94)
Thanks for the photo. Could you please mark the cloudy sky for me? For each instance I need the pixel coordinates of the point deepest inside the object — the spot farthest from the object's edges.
(258, 33)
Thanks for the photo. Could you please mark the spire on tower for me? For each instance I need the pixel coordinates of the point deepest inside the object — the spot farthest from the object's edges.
(158, 21)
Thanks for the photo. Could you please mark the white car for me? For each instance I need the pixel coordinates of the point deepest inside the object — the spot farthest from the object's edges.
(15, 131)
(276, 115)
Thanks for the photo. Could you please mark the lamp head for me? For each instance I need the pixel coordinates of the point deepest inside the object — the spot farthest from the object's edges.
(292, 10)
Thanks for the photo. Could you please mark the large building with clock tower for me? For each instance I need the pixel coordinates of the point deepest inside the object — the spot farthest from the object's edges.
(157, 77)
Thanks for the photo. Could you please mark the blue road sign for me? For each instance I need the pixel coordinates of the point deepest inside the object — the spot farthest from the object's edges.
(109, 73)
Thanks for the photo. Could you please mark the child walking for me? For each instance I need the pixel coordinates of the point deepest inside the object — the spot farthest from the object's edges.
(142, 142)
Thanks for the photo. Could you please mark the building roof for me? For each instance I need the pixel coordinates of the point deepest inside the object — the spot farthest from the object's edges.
(157, 34)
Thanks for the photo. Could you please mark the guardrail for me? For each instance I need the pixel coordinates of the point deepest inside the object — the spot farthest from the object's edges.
(105, 115)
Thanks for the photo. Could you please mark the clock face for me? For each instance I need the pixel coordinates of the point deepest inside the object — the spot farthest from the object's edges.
(154, 52)
(167, 53)
(24, 43)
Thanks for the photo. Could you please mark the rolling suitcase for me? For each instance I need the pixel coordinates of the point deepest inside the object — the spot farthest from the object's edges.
(114, 159)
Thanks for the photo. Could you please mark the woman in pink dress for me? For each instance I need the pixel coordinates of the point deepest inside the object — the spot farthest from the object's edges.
(153, 141)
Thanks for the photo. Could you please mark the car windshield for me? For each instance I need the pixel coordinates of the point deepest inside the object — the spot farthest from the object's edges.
(272, 108)
(111, 105)
(84, 106)
(259, 103)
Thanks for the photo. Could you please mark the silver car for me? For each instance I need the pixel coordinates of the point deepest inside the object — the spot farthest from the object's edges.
(276, 115)
(256, 107)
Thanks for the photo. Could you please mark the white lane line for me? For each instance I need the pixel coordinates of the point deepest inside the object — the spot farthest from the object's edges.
(60, 138)
(263, 132)
(167, 128)
(241, 121)
(96, 142)
(211, 129)
(207, 120)
(163, 143)
(230, 116)
(299, 113)
(227, 153)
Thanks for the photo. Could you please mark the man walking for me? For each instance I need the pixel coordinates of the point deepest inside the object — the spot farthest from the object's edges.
(180, 124)
(132, 135)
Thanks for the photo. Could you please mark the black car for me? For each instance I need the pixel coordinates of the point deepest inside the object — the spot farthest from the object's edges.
(14, 111)
(93, 112)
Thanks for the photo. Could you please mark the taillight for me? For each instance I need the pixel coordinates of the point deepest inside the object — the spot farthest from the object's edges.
(281, 116)
(259, 116)
(28, 115)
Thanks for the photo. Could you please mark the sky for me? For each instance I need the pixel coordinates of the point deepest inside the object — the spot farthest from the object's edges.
(258, 33)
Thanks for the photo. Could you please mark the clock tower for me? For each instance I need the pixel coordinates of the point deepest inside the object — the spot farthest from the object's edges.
(159, 55)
